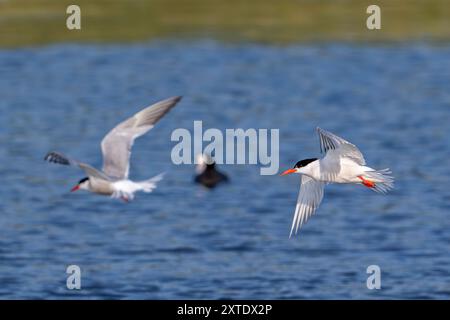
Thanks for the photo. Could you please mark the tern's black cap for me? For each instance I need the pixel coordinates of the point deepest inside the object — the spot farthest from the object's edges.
(83, 180)
(305, 162)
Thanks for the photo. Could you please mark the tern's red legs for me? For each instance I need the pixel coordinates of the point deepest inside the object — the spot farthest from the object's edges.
(367, 183)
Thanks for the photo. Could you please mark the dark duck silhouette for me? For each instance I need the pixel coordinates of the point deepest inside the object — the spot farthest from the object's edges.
(207, 173)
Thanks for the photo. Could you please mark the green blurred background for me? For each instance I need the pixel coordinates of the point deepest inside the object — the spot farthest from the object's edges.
(31, 22)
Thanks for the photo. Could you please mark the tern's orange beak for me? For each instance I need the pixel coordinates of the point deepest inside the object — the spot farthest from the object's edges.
(75, 188)
(288, 171)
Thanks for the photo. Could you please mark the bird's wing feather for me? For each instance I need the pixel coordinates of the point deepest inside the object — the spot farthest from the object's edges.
(335, 146)
(116, 145)
(57, 157)
(309, 198)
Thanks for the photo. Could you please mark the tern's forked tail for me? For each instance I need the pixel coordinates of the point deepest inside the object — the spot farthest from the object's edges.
(150, 184)
(382, 180)
(126, 189)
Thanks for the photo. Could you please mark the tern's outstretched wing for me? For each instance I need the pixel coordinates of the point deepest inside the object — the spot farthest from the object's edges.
(59, 158)
(117, 144)
(335, 146)
(309, 198)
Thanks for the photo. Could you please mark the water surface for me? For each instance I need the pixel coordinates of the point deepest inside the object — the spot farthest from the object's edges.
(185, 242)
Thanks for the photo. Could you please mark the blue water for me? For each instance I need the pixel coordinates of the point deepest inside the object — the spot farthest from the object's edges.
(185, 242)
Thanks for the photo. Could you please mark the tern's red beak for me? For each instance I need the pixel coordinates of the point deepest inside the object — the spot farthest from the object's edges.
(75, 188)
(288, 171)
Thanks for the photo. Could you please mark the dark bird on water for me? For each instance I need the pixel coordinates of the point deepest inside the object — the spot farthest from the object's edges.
(207, 173)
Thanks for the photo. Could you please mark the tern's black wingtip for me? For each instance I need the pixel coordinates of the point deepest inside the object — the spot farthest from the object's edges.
(56, 157)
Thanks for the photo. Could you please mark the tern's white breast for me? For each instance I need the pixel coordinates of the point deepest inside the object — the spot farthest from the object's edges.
(343, 170)
(126, 186)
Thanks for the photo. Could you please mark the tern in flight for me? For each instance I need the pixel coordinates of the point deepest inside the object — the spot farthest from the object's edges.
(116, 149)
(343, 163)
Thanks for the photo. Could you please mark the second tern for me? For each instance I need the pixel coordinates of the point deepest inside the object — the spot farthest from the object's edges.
(343, 163)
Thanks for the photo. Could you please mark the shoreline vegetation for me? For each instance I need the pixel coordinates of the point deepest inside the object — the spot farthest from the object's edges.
(39, 22)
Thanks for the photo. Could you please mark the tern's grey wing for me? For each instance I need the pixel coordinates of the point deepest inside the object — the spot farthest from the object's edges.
(309, 198)
(117, 144)
(56, 157)
(335, 146)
